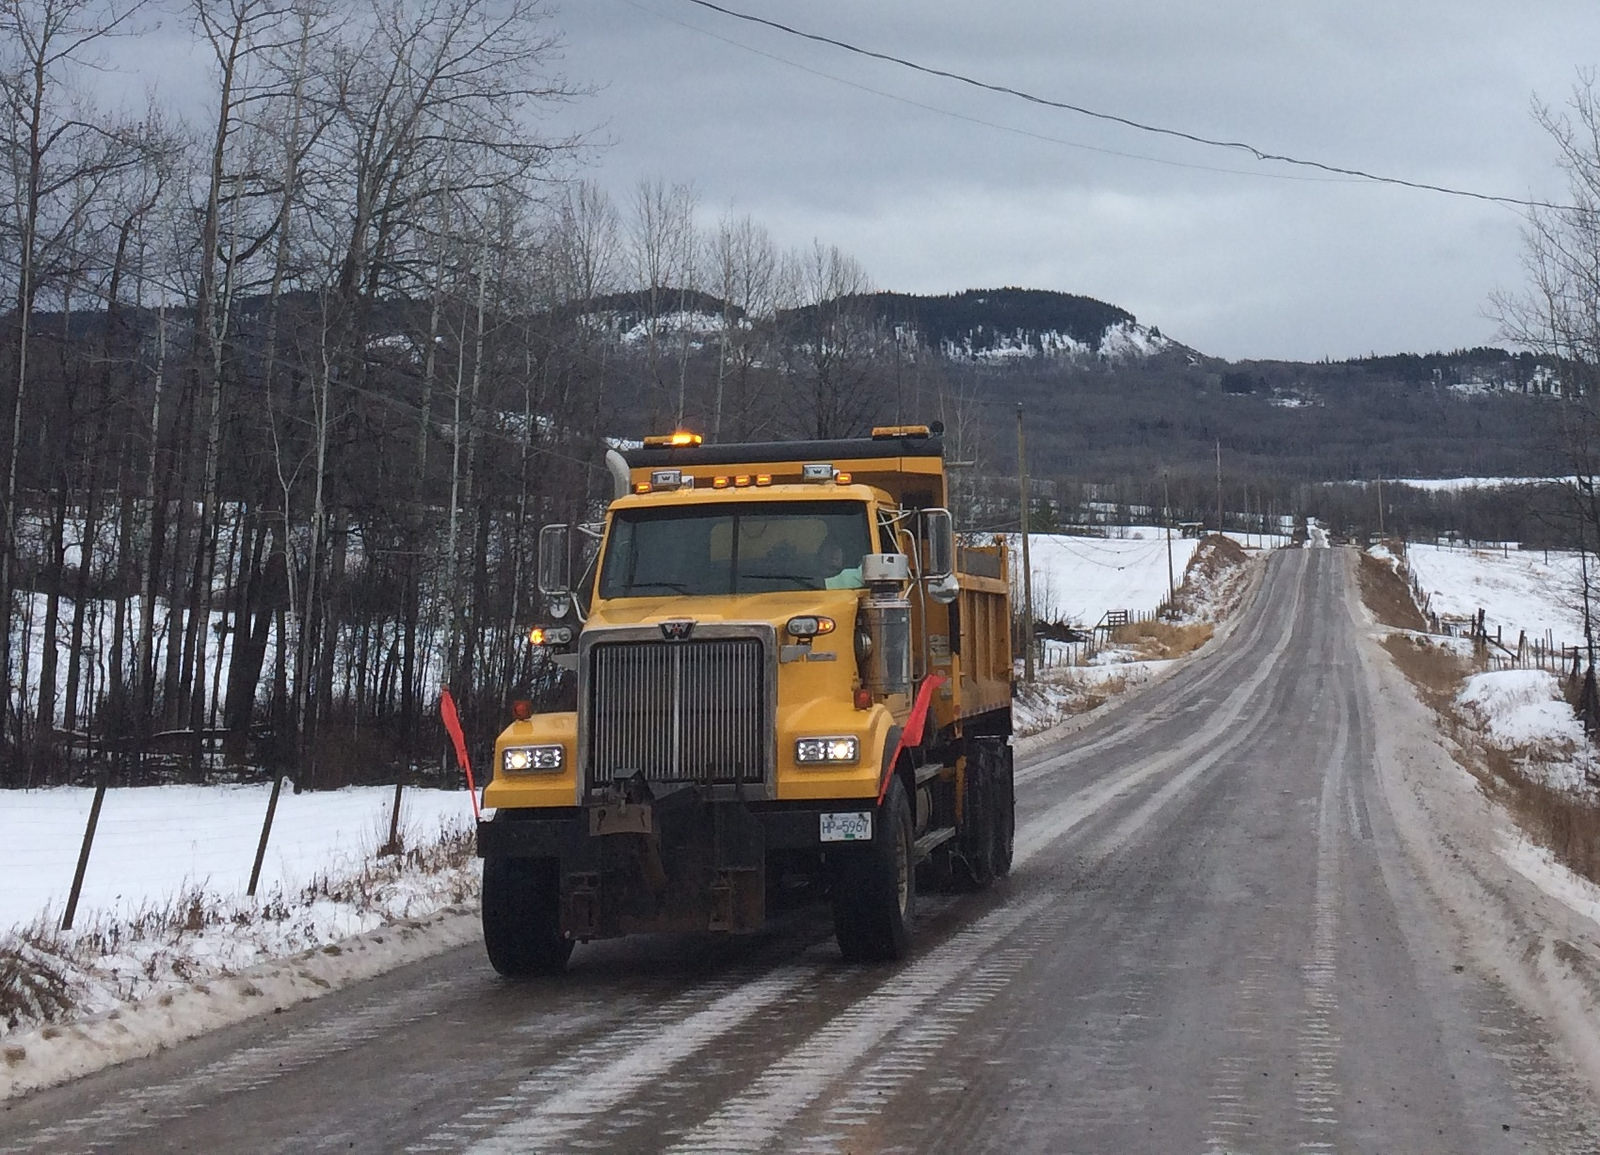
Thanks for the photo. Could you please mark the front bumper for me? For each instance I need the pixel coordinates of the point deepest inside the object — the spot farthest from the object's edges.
(679, 863)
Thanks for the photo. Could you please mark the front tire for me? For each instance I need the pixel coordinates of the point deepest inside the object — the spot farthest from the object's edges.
(522, 916)
(874, 887)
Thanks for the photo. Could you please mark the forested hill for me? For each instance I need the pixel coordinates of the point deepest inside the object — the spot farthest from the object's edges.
(979, 318)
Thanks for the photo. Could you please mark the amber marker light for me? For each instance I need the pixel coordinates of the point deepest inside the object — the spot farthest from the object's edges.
(742, 480)
(763, 479)
(719, 483)
(679, 440)
(842, 478)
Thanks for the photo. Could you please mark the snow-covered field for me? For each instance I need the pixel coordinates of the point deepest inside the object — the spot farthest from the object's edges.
(156, 844)
(1518, 590)
(1077, 579)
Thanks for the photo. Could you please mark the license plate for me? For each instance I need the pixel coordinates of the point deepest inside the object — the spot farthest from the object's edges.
(853, 826)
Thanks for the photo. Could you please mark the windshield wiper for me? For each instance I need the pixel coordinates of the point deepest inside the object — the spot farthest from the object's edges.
(675, 587)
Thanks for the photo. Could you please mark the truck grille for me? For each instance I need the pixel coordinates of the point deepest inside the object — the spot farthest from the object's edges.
(689, 711)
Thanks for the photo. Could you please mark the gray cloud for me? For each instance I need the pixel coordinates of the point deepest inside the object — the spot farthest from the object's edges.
(1246, 263)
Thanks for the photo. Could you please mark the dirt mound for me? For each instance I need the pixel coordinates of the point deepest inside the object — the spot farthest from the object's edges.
(1214, 555)
(1387, 595)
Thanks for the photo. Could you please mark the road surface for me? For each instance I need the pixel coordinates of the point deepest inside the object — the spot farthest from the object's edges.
(1217, 938)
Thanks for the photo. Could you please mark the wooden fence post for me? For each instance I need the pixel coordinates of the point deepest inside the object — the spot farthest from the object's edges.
(83, 852)
(393, 845)
(266, 832)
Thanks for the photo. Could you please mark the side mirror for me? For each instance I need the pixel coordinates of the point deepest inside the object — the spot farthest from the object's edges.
(555, 566)
(938, 530)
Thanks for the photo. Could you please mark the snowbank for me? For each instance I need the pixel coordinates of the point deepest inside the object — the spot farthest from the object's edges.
(1521, 708)
(1523, 713)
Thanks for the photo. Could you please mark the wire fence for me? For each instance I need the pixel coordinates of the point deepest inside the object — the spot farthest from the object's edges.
(1569, 661)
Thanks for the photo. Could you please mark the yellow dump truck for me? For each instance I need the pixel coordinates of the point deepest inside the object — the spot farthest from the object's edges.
(791, 681)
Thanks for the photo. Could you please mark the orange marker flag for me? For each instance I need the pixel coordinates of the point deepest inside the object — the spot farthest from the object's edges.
(452, 724)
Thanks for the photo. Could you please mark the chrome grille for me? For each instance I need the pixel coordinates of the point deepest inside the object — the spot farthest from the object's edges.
(689, 711)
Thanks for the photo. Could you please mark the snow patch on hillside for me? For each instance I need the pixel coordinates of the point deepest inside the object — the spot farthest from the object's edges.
(1120, 342)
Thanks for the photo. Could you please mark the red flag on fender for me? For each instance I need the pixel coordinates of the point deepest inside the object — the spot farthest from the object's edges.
(452, 724)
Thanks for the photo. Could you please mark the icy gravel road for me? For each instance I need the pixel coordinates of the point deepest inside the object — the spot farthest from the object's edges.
(1252, 911)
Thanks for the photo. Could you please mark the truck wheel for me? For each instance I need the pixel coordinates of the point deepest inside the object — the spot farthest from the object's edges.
(1005, 811)
(977, 837)
(522, 916)
(874, 886)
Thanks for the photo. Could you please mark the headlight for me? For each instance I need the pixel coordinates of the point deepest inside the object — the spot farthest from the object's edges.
(550, 635)
(521, 759)
(809, 626)
(842, 751)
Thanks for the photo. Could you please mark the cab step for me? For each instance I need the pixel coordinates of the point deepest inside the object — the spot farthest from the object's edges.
(925, 845)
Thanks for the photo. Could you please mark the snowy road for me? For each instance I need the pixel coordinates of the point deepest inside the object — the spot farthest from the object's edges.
(1228, 929)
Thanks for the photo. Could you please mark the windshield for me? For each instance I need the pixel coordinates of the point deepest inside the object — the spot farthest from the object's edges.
(759, 547)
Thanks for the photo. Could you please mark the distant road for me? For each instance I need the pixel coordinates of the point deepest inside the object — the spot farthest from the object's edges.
(1212, 941)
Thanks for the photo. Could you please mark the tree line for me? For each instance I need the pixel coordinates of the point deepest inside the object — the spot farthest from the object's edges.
(290, 384)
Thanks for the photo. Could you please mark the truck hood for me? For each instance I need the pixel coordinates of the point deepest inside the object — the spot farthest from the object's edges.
(774, 609)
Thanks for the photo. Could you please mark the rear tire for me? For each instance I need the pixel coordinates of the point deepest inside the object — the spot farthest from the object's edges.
(874, 887)
(522, 916)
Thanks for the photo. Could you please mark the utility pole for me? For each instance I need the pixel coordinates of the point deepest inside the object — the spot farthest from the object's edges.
(1219, 485)
(1027, 567)
(1380, 505)
(1166, 516)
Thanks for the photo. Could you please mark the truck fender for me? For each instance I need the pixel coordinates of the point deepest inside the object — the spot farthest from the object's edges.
(892, 746)
(911, 735)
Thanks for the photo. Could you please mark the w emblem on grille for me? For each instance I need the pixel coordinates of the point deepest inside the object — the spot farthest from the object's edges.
(678, 630)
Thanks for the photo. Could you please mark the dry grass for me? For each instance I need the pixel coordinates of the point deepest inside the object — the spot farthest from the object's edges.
(1158, 641)
(1436, 671)
(1387, 595)
(1565, 825)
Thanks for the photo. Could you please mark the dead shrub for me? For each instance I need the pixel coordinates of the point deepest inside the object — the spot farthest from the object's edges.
(1159, 641)
(1387, 595)
(33, 982)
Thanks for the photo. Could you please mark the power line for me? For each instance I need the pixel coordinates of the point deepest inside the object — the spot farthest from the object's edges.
(978, 120)
(1127, 122)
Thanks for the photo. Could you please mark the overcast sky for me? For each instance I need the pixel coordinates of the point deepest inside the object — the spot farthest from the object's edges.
(935, 186)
